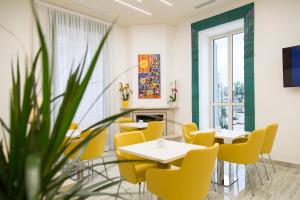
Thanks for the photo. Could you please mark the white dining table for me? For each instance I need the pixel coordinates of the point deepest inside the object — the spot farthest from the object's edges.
(137, 125)
(227, 135)
(161, 151)
(225, 178)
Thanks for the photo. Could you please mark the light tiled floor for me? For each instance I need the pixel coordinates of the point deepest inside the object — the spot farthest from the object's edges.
(283, 185)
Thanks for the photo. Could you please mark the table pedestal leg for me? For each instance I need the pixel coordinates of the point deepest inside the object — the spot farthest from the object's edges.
(225, 176)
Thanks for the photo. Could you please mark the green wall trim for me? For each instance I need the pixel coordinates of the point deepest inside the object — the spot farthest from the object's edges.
(247, 13)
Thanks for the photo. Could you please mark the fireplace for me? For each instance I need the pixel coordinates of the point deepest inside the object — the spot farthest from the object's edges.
(148, 116)
(166, 114)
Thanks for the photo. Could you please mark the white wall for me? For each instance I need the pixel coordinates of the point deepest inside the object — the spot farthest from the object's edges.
(15, 15)
(150, 39)
(275, 28)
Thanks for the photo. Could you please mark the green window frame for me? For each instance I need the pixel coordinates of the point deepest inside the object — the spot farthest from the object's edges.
(247, 13)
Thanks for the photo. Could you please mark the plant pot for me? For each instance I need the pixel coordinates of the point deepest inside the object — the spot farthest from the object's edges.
(125, 104)
(173, 104)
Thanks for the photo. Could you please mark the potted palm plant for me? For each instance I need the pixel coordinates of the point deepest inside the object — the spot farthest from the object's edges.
(31, 162)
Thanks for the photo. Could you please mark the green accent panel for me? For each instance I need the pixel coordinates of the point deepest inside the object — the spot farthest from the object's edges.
(195, 78)
(246, 12)
(249, 71)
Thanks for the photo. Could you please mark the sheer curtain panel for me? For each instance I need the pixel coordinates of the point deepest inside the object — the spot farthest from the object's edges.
(70, 35)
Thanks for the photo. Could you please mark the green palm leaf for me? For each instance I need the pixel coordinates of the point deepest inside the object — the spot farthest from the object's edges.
(34, 167)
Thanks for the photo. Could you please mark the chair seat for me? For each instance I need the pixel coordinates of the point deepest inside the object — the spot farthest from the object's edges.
(141, 170)
(240, 140)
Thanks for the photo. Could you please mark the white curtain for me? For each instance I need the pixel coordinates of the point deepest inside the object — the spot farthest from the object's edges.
(71, 35)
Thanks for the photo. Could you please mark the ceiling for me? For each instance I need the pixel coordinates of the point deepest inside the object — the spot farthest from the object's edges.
(109, 10)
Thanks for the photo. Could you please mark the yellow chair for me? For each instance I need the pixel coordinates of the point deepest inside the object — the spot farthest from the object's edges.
(154, 130)
(93, 150)
(190, 182)
(244, 153)
(271, 131)
(73, 126)
(203, 139)
(267, 146)
(133, 172)
(187, 129)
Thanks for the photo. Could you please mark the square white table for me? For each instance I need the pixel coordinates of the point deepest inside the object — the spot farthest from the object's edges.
(138, 125)
(164, 154)
(228, 136)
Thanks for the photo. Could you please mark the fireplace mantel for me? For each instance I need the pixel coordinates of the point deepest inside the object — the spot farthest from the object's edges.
(150, 108)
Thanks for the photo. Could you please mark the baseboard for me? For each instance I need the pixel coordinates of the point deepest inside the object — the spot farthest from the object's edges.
(281, 163)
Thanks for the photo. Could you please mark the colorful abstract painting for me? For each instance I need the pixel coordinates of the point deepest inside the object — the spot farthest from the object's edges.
(149, 76)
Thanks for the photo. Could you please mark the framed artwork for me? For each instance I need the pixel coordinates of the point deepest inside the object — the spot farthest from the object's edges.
(149, 76)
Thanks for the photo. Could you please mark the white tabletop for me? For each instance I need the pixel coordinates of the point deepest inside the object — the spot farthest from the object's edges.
(227, 135)
(166, 153)
(138, 125)
(75, 133)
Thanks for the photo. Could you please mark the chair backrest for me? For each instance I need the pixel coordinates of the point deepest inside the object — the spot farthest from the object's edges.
(127, 169)
(94, 148)
(129, 138)
(73, 126)
(123, 128)
(206, 138)
(254, 145)
(154, 130)
(195, 173)
(123, 120)
(271, 131)
(186, 129)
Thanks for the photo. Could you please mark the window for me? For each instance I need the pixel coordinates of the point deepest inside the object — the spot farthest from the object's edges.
(227, 95)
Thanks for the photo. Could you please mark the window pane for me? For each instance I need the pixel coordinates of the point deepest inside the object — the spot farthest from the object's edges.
(238, 68)
(221, 117)
(238, 118)
(220, 59)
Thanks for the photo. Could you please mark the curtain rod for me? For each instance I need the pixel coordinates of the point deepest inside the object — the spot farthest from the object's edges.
(59, 7)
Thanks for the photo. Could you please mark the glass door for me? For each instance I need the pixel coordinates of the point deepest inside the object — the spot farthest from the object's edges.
(227, 93)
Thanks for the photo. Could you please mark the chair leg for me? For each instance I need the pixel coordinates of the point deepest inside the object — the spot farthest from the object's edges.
(79, 172)
(249, 180)
(237, 171)
(263, 161)
(139, 188)
(213, 181)
(215, 189)
(258, 174)
(119, 189)
(218, 172)
(272, 163)
(237, 177)
(104, 167)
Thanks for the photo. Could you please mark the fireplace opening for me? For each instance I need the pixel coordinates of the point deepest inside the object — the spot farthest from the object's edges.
(149, 118)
